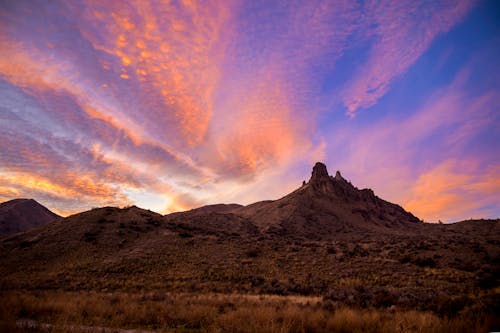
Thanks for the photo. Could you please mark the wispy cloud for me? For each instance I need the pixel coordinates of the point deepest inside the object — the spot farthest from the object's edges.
(399, 33)
(430, 145)
(87, 161)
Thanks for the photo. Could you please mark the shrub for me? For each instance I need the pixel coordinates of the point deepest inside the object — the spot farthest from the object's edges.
(331, 250)
(90, 236)
(424, 262)
(252, 253)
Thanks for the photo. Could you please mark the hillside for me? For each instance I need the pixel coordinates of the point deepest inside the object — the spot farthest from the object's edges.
(22, 214)
(326, 239)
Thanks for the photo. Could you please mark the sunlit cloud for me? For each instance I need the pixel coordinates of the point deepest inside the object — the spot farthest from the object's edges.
(169, 53)
(452, 190)
(425, 146)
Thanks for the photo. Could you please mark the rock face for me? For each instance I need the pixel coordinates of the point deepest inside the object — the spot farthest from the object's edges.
(22, 214)
(328, 206)
(319, 173)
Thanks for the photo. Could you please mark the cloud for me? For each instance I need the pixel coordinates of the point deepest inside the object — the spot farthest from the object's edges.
(399, 33)
(401, 155)
(455, 190)
(166, 98)
(50, 163)
(168, 53)
(260, 132)
(264, 115)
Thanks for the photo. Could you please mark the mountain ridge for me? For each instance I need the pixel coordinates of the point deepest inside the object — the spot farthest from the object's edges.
(320, 181)
(325, 205)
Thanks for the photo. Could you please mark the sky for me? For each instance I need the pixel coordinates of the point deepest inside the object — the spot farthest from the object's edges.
(170, 105)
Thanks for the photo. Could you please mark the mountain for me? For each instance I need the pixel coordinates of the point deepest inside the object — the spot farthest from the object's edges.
(327, 238)
(22, 214)
(326, 206)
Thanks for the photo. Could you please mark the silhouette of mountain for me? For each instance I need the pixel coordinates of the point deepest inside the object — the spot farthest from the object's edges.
(22, 214)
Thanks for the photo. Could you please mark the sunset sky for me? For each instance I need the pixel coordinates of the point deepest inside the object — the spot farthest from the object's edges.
(170, 105)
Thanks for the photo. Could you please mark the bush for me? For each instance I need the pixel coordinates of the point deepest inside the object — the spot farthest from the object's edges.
(90, 237)
(425, 262)
(252, 253)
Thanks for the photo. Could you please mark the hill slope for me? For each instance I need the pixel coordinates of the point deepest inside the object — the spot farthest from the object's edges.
(22, 214)
(327, 238)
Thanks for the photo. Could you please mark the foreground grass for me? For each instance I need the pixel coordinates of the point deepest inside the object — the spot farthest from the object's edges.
(70, 311)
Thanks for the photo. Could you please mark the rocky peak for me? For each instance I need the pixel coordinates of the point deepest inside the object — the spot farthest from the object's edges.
(319, 173)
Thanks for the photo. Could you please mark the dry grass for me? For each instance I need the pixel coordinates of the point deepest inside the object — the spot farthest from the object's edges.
(167, 312)
(134, 269)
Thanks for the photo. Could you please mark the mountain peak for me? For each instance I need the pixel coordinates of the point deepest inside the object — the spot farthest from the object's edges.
(21, 214)
(319, 172)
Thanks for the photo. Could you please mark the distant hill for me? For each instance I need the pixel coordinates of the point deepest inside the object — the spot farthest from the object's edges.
(22, 214)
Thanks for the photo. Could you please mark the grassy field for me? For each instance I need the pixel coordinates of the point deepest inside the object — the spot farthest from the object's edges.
(181, 312)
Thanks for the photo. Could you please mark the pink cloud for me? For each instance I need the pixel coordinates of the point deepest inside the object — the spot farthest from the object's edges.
(454, 190)
(397, 158)
(264, 115)
(403, 31)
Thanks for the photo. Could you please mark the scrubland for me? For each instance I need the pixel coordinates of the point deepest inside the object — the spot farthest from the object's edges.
(111, 270)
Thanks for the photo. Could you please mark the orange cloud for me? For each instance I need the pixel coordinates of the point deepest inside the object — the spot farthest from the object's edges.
(453, 188)
(426, 152)
(66, 175)
(178, 71)
(28, 68)
(259, 128)
(9, 192)
(173, 49)
(41, 76)
(67, 186)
